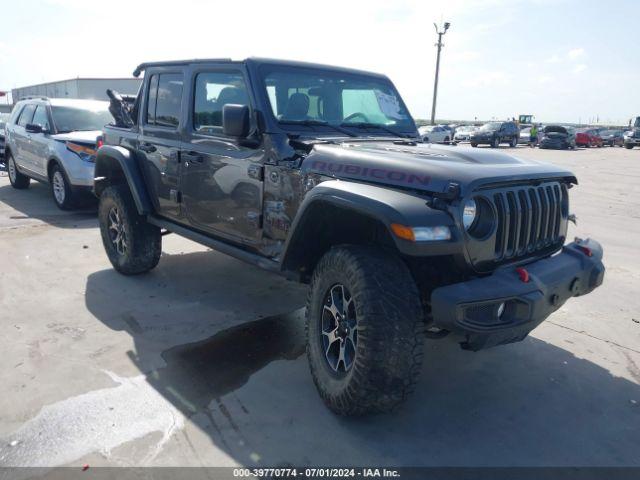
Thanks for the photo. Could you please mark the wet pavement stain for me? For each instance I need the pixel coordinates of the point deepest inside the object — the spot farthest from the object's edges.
(198, 373)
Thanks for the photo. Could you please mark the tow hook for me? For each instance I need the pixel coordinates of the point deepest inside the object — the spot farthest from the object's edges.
(524, 275)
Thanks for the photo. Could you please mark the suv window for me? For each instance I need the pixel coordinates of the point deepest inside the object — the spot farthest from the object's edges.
(41, 118)
(164, 100)
(213, 91)
(26, 115)
(15, 113)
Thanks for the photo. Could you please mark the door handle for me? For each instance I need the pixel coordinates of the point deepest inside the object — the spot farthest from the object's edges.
(192, 157)
(147, 147)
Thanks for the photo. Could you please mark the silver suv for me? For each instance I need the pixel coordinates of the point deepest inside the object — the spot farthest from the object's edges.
(54, 141)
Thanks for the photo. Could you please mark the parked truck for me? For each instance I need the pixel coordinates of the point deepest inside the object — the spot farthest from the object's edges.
(318, 173)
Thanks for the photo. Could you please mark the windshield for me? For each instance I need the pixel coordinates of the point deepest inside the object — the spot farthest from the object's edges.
(71, 119)
(637, 123)
(300, 96)
(491, 126)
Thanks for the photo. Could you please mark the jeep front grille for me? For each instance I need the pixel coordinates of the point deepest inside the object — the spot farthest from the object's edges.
(529, 219)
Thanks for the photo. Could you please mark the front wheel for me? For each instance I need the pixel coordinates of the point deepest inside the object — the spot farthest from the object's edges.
(364, 327)
(17, 179)
(61, 191)
(132, 244)
(628, 146)
(474, 145)
(514, 142)
(496, 142)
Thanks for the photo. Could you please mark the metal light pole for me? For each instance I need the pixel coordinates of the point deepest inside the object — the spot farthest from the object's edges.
(435, 85)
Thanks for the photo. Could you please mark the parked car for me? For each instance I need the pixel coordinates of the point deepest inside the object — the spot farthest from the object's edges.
(54, 141)
(612, 138)
(495, 133)
(632, 136)
(392, 235)
(463, 133)
(435, 134)
(588, 137)
(4, 117)
(558, 137)
(524, 138)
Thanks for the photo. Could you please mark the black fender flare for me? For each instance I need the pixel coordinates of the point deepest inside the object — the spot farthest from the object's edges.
(381, 204)
(113, 163)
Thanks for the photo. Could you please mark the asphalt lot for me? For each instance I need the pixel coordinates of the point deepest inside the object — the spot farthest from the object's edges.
(201, 361)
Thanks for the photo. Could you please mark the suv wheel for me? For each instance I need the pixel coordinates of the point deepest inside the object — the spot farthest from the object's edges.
(474, 144)
(364, 325)
(60, 189)
(628, 146)
(513, 143)
(132, 244)
(17, 179)
(496, 142)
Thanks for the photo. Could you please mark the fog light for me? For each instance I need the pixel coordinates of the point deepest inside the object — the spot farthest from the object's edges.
(500, 310)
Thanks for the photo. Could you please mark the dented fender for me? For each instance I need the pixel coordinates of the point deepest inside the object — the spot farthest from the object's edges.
(112, 161)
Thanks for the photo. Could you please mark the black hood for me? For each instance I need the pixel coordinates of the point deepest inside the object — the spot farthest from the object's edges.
(425, 167)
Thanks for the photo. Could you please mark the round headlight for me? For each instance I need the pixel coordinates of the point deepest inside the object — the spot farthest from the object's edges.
(469, 213)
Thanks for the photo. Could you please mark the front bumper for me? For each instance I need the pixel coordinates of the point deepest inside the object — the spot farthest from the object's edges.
(472, 308)
(631, 141)
(481, 140)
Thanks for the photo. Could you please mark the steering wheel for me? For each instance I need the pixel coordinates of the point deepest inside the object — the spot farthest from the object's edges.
(364, 118)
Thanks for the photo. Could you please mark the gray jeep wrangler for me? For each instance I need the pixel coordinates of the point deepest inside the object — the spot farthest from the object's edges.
(317, 173)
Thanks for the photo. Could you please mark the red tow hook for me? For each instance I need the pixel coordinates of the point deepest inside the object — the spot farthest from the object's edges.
(524, 275)
(586, 250)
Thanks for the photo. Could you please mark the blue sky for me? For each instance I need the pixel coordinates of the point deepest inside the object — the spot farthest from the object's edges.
(561, 60)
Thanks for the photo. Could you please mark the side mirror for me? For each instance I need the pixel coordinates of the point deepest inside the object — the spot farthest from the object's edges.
(236, 120)
(34, 128)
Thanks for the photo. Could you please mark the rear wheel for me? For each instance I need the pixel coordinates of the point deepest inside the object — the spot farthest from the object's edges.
(132, 244)
(17, 179)
(364, 330)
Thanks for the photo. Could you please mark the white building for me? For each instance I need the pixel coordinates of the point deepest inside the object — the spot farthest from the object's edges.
(85, 88)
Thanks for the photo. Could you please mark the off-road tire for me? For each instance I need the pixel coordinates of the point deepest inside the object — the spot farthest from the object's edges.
(143, 241)
(17, 179)
(64, 198)
(388, 354)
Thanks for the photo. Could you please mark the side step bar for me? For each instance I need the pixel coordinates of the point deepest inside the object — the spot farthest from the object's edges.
(222, 247)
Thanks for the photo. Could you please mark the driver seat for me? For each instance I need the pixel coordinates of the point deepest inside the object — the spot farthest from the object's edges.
(297, 107)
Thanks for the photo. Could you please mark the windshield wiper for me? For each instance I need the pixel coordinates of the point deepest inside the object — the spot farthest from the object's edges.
(313, 123)
(369, 125)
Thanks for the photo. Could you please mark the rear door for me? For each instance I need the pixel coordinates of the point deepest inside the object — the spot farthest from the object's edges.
(21, 138)
(160, 139)
(221, 179)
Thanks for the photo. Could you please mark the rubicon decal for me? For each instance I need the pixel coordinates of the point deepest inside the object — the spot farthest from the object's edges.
(366, 172)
